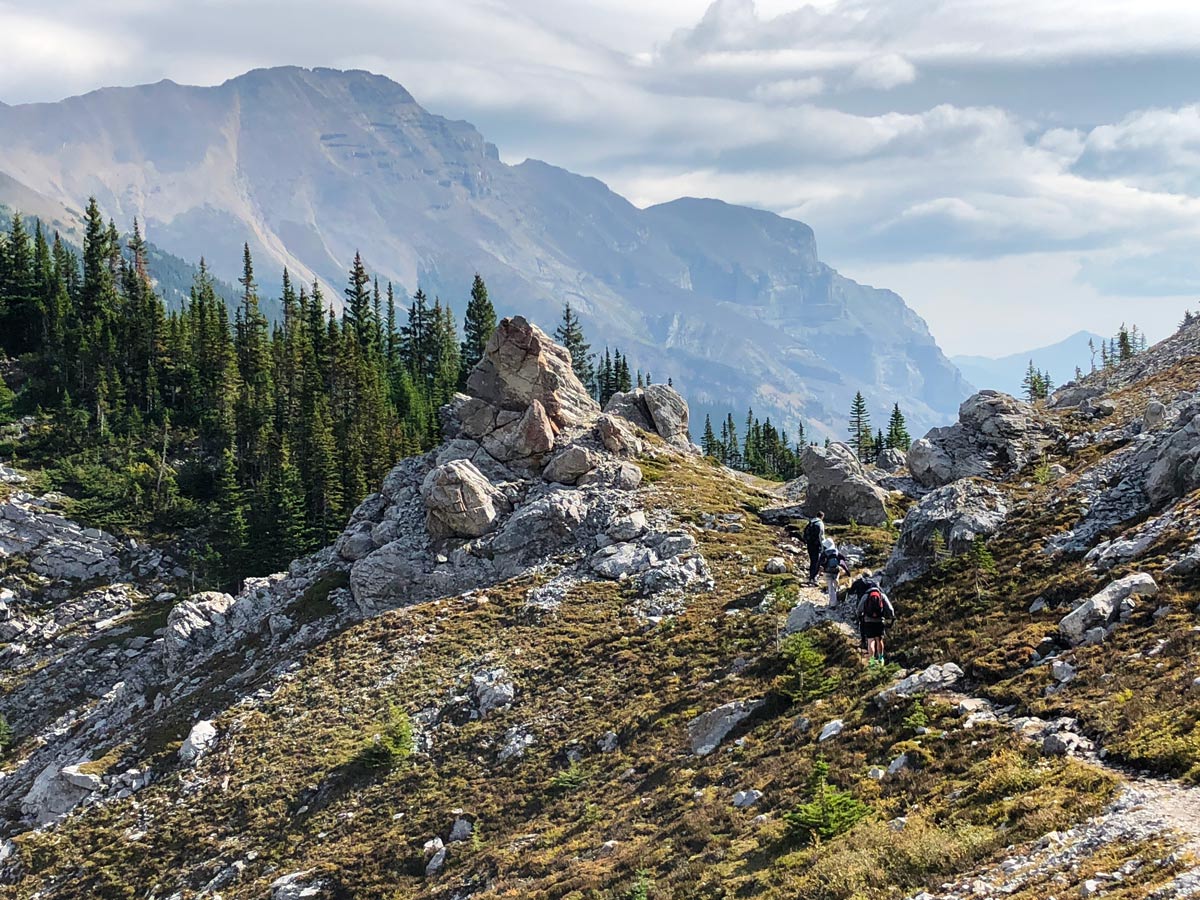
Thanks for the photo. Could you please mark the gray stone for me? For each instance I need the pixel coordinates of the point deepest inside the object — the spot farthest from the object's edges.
(805, 615)
(627, 528)
(839, 486)
(995, 436)
(891, 460)
(567, 466)
(515, 742)
(460, 502)
(958, 513)
(776, 565)
(934, 678)
(658, 409)
(746, 799)
(435, 856)
(617, 437)
(85, 780)
(1101, 609)
(608, 743)
(461, 830)
(522, 364)
(830, 730)
(1062, 671)
(708, 730)
(52, 796)
(296, 886)
(201, 739)
(898, 765)
(1154, 416)
(622, 561)
(194, 625)
(492, 689)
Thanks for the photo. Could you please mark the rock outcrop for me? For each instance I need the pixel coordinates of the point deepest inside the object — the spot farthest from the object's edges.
(656, 408)
(460, 502)
(54, 546)
(995, 435)
(839, 486)
(1101, 610)
(959, 513)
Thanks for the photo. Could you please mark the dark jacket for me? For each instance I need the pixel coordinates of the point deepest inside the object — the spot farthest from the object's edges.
(889, 611)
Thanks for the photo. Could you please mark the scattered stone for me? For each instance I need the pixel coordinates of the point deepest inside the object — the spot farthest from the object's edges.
(627, 528)
(296, 886)
(609, 742)
(491, 689)
(830, 730)
(435, 856)
(1062, 671)
(898, 765)
(706, 731)
(1103, 608)
(461, 830)
(1037, 605)
(80, 779)
(514, 744)
(569, 465)
(936, 677)
(776, 565)
(875, 773)
(199, 741)
(746, 799)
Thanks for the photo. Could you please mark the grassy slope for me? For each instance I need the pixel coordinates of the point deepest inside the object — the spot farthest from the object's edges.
(285, 791)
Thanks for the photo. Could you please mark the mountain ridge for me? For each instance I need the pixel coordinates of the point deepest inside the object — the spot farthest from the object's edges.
(311, 165)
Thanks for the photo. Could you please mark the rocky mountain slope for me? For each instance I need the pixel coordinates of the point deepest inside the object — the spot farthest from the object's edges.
(1006, 373)
(564, 656)
(311, 165)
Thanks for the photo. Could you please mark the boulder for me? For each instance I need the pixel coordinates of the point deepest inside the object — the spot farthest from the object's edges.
(1175, 469)
(706, 731)
(52, 796)
(891, 460)
(622, 561)
(657, 408)
(622, 476)
(539, 528)
(1154, 416)
(805, 615)
(838, 484)
(995, 435)
(520, 365)
(80, 779)
(509, 436)
(776, 565)
(567, 466)
(830, 730)
(627, 528)
(1102, 609)
(934, 678)
(492, 689)
(515, 742)
(959, 512)
(201, 739)
(617, 437)
(746, 799)
(460, 502)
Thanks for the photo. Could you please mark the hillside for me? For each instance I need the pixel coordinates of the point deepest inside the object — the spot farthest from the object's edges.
(1006, 373)
(310, 166)
(547, 660)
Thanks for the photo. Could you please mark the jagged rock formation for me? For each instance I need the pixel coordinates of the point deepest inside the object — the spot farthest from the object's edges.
(995, 436)
(958, 513)
(839, 486)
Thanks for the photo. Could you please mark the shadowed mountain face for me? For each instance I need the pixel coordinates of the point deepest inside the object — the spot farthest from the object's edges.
(309, 166)
(1059, 361)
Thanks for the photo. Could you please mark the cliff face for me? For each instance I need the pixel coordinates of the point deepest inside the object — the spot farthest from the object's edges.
(309, 166)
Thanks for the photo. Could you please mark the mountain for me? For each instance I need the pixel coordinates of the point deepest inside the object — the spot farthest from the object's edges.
(493, 685)
(1006, 373)
(309, 166)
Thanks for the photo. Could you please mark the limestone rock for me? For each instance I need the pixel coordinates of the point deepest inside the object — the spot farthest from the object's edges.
(656, 408)
(746, 799)
(609, 742)
(460, 502)
(193, 625)
(1103, 608)
(830, 730)
(628, 528)
(520, 365)
(201, 739)
(995, 435)
(52, 796)
(539, 528)
(54, 546)
(706, 731)
(622, 560)
(805, 615)
(568, 465)
(959, 513)
(1154, 416)
(617, 437)
(492, 689)
(935, 677)
(85, 780)
(776, 565)
(296, 886)
(891, 460)
(1175, 470)
(839, 486)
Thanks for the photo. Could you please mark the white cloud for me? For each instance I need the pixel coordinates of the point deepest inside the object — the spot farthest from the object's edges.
(789, 91)
(883, 72)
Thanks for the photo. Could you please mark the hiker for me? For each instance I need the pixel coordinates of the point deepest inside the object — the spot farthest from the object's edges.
(859, 587)
(832, 562)
(814, 536)
(875, 616)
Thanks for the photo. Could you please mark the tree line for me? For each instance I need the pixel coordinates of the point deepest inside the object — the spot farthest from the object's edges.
(263, 435)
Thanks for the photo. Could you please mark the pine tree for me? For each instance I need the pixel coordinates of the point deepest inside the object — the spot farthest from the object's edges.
(860, 426)
(230, 533)
(357, 315)
(897, 434)
(570, 334)
(709, 442)
(478, 325)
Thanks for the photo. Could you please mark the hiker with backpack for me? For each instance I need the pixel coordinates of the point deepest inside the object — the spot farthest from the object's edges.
(832, 561)
(875, 616)
(814, 537)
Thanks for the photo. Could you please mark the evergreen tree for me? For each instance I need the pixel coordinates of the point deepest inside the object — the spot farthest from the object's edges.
(709, 442)
(570, 334)
(860, 426)
(255, 403)
(897, 437)
(230, 533)
(478, 325)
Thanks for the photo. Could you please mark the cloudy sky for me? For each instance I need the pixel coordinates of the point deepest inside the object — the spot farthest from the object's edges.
(1017, 169)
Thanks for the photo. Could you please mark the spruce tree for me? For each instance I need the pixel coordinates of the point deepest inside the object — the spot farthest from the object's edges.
(897, 434)
(708, 442)
(570, 334)
(478, 325)
(860, 426)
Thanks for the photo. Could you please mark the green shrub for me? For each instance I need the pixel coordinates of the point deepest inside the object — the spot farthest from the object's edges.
(916, 717)
(391, 743)
(807, 676)
(642, 885)
(828, 812)
(569, 779)
(6, 736)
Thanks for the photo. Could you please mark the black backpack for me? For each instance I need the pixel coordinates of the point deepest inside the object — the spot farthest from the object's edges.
(830, 561)
(812, 533)
(874, 605)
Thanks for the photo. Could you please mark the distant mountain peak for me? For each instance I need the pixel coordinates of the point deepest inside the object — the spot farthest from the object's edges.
(311, 165)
